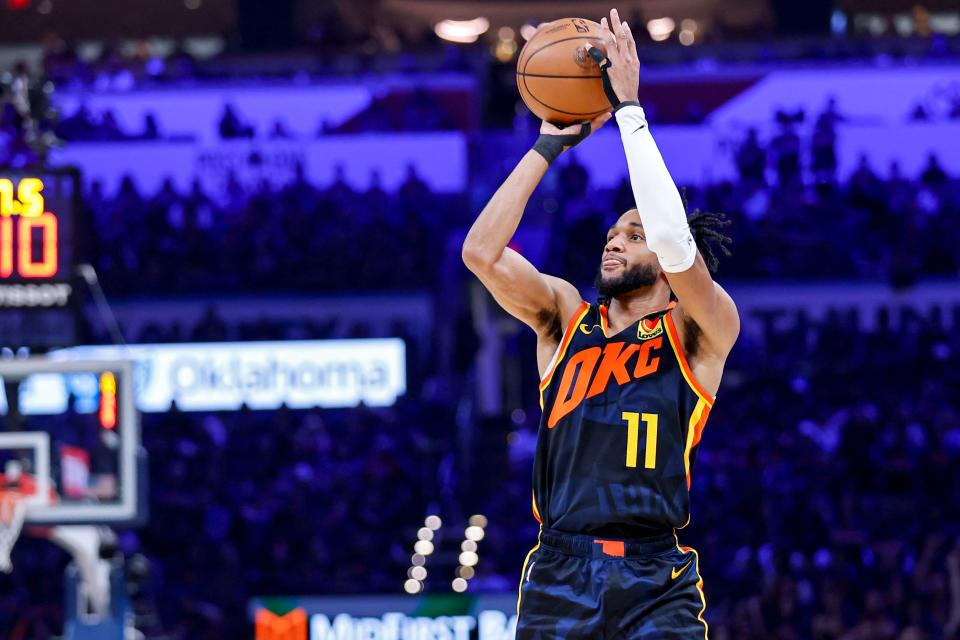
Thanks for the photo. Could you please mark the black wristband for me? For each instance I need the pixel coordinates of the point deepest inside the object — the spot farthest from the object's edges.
(550, 145)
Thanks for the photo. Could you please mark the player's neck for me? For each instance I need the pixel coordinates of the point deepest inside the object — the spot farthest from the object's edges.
(626, 309)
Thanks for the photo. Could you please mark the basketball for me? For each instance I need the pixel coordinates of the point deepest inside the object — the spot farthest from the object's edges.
(557, 80)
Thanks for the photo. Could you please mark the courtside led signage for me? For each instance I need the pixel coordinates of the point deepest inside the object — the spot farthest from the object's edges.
(226, 376)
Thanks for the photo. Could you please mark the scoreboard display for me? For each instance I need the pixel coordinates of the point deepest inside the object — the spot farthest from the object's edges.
(37, 293)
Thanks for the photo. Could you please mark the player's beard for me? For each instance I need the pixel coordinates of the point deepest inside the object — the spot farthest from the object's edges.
(638, 276)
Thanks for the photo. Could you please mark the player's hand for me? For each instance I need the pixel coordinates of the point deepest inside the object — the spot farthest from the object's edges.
(555, 140)
(623, 69)
(574, 129)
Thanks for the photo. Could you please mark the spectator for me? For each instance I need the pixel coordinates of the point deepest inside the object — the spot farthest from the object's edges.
(231, 126)
(785, 148)
(751, 159)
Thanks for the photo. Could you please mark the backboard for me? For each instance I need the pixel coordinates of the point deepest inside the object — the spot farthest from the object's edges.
(73, 428)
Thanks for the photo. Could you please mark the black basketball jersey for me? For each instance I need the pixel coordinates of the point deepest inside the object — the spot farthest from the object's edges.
(622, 419)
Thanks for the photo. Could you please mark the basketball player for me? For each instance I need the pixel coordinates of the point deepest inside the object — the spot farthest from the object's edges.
(626, 388)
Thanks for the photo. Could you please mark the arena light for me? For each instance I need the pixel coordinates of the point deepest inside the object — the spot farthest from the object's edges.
(504, 50)
(838, 22)
(660, 29)
(418, 573)
(477, 520)
(527, 31)
(904, 25)
(945, 23)
(688, 31)
(461, 31)
(425, 533)
(423, 547)
(474, 533)
(469, 551)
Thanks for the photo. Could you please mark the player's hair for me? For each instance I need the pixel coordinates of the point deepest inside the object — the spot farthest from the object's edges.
(705, 228)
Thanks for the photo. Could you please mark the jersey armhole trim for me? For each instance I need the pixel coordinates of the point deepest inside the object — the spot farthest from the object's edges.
(698, 420)
(562, 347)
(684, 365)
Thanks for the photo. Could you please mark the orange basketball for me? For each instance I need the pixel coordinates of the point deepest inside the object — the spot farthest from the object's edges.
(558, 81)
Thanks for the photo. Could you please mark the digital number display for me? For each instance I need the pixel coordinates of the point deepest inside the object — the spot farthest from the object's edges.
(37, 213)
(30, 228)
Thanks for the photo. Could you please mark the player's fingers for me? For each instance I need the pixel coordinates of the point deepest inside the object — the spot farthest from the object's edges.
(599, 121)
(615, 24)
(627, 35)
(609, 37)
(550, 129)
(554, 130)
(629, 39)
(570, 129)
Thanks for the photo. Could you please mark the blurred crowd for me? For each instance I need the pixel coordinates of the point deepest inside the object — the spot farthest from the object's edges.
(296, 238)
(879, 224)
(417, 110)
(882, 225)
(26, 117)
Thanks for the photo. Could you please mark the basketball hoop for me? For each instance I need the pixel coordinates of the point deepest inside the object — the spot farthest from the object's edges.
(18, 491)
(13, 510)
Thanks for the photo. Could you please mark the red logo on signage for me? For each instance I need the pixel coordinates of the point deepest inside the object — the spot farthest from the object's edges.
(291, 626)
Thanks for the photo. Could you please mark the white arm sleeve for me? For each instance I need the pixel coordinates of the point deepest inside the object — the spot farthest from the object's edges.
(658, 201)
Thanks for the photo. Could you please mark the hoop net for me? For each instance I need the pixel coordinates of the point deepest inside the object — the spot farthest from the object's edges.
(13, 510)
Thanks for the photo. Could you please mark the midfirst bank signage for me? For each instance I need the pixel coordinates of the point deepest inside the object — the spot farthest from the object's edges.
(441, 617)
(226, 376)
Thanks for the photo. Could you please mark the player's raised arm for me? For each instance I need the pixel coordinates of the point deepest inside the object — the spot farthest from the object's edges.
(659, 203)
(538, 300)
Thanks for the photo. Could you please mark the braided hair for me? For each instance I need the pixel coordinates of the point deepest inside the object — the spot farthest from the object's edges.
(705, 228)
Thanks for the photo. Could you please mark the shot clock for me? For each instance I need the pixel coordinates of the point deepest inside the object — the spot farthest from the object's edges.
(37, 291)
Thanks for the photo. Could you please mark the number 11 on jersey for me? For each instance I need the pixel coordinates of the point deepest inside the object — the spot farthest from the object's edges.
(633, 438)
